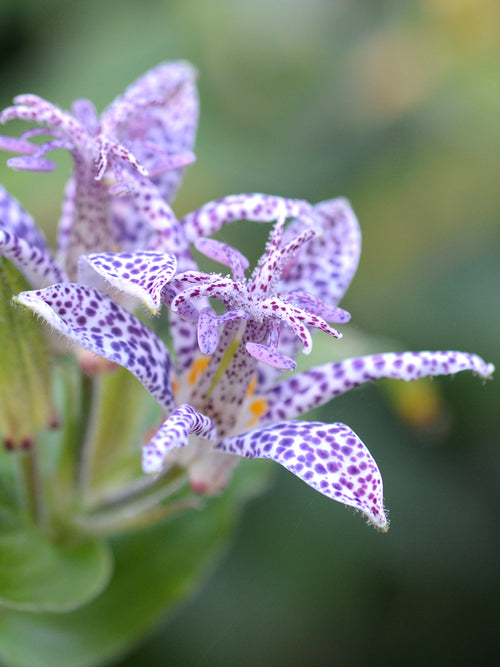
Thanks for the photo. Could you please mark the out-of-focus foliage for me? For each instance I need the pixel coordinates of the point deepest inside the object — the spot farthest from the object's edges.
(396, 106)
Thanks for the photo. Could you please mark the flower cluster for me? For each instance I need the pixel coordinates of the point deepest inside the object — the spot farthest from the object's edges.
(220, 384)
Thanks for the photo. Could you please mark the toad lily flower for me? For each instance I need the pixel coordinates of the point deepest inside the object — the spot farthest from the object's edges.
(127, 165)
(223, 395)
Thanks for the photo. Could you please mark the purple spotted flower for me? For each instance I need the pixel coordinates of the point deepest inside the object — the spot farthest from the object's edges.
(127, 166)
(221, 388)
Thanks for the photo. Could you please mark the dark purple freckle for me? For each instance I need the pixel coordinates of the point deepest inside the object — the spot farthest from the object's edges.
(357, 364)
(398, 363)
(288, 454)
(337, 486)
(115, 345)
(81, 320)
(351, 441)
(369, 478)
(323, 484)
(268, 447)
(116, 331)
(322, 453)
(346, 450)
(353, 470)
(332, 467)
(363, 466)
(339, 372)
(308, 475)
(320, 469)
(350, 485)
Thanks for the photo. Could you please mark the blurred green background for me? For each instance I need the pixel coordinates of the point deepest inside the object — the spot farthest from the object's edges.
(396, 106)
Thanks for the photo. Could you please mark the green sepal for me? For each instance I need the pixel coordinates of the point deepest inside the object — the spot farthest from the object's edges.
(155, 570)
(40, 573)
(25, 403)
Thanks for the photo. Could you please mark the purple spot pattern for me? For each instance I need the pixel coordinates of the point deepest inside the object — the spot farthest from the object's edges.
(18, 222)
(326, 266)
(174, 433)
(142, 274)
(150, 130)
(93, 320)
(317, 386)
(329, 457)
(258, 207)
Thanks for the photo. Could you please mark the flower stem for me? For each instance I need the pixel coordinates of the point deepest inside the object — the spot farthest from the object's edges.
(33, 496)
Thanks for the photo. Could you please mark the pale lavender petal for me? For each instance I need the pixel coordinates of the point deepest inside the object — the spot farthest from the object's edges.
(258, 207)
(17, 145)
(207, 333)
(141, 274)
(315, 306)
(31, 163)
(174, 433)
(207, 286)
(329, 457)
(93, 320)
(160, 109)
(298, 320)
(269, 272)
(35, 263)
(17, 221)
(326, 266)
(86, 114)
(315, 387)
(270, 357)
(224, 254)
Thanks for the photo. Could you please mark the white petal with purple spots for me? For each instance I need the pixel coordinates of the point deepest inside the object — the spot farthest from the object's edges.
(258, 207)
(315, 387)
(329, 457)
(93, 320)
(141, 274)
(175, 433)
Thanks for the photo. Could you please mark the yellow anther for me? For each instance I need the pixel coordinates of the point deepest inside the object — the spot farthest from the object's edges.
(197, 369)
(257, 408)
(251, 386)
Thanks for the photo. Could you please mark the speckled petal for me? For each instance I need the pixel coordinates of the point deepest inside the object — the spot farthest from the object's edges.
(34, 263)
(93, 320)
(315, 387)
(298, 320)
(141, 274)
(329, 457)
(225, 254)
(326, 266)
(270, 357)
(160, 109)
(17, 221)
(175, 433)
(258, 207)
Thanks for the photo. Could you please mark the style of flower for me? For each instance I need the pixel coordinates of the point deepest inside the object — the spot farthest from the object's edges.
(127, 166)
(222, 394)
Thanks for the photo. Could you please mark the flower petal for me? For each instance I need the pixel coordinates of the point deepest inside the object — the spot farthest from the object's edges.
(326, 266)
(17, 221)
(329, 457)
(160, 109)
(258, 207)
(175, 433)
(141, 274)
(93, 320)
(315, 387)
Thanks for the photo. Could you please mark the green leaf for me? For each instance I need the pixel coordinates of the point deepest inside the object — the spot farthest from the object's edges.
(38, 574)
(154, 571)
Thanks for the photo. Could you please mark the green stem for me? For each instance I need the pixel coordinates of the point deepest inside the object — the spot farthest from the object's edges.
(85, 443)
(32, 482)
